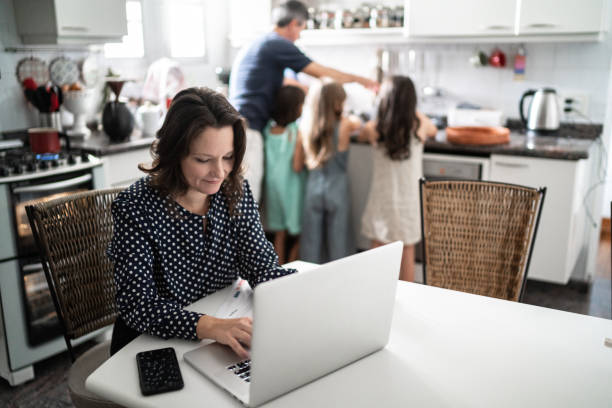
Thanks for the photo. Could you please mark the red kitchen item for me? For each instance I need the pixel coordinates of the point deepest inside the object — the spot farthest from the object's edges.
(478, 135)
(44, 140)
(29, 83)
(32, 67)
(54, 103)
(497, 58)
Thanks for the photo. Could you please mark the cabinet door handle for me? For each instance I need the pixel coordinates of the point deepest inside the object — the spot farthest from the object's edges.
(495, 27)
(513, 165)
(32, 267)
(541, 25)
(75, 28)
(53, 186)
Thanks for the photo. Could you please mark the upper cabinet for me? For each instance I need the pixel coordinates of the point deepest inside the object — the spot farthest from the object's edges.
(560, 17)
(70, 21)
(451, 18)
(500, 21)
(506, 20)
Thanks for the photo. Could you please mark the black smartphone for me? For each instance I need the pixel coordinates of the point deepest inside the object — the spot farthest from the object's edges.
(158, 371)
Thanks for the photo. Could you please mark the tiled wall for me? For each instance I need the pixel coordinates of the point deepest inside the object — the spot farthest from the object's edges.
(578, 68)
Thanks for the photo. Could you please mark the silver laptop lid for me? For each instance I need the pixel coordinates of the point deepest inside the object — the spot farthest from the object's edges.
(312, 323)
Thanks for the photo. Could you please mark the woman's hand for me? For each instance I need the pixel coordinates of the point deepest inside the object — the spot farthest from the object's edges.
(235, 333)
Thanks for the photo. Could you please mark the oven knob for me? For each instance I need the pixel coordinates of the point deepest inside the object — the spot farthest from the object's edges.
(54, 163)
(17, 168)
(84, 157)
(4, 171)
(31, 166)
(71, 159)
(44, 165)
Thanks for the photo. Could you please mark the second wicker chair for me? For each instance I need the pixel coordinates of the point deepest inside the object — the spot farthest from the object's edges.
(478, 235)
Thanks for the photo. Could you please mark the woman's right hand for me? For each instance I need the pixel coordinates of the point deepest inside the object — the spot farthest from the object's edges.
(235, 333)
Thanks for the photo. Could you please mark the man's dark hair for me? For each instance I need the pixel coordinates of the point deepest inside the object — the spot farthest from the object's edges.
(289, 100)
(290, 10)
(191, 112)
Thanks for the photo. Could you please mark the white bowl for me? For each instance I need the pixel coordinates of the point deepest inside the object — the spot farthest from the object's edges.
(79, 103)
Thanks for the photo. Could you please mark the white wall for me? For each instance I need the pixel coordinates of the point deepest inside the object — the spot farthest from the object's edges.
(14, 111)
(568, 67)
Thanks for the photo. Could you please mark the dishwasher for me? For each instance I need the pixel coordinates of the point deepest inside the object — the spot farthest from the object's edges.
(455, 167)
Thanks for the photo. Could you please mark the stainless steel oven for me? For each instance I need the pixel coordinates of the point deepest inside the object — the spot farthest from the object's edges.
(29, 326)
(41, 320)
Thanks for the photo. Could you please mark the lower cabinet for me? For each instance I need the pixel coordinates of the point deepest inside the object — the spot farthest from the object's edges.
(121, 169)
(562, 233)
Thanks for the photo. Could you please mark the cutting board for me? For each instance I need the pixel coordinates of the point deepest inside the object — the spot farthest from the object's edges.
(478, 135)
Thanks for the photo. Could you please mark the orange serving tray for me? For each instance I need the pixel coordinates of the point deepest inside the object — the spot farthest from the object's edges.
(478, 135)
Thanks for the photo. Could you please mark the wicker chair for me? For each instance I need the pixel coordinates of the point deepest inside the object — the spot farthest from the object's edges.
(72, 234)
(478, 235)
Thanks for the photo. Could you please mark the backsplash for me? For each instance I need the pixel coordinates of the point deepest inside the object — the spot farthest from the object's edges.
(570, 68)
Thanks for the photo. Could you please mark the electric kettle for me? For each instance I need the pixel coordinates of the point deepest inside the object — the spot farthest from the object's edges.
(544, 110)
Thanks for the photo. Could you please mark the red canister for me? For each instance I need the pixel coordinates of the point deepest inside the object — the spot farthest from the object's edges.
(44, 140)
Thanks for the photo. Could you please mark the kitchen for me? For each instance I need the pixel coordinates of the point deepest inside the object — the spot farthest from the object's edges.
(433, 43)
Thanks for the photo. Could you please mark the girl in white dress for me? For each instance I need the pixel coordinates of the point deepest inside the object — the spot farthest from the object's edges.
(393, 210)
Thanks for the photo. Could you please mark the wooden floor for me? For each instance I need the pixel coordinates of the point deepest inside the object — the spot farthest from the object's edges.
(49, 389)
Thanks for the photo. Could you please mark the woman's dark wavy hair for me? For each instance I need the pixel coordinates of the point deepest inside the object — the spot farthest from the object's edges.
(397, 120)
(191, 112)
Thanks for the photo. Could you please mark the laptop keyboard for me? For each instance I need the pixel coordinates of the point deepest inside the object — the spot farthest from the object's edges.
(242, 369)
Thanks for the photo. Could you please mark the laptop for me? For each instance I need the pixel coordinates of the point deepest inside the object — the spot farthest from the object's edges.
(308, 324)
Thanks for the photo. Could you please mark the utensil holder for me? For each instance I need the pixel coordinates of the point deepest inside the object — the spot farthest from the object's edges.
(50, 120)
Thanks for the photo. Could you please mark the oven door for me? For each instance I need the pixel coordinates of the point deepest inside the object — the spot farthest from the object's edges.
(41, 319)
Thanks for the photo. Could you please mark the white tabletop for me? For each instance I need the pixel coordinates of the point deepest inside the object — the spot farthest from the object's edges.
(446, 349)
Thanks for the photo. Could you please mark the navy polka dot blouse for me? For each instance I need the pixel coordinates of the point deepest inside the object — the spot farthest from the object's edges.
(164, 260)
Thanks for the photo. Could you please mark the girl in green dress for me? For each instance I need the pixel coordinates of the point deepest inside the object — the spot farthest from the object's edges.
(284, 176)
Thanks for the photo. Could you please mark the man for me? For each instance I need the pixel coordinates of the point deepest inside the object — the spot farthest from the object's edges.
(257, 75)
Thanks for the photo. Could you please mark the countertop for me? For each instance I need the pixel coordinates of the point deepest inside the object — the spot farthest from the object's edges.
(550, 147)
(570, 142)
(99, 144)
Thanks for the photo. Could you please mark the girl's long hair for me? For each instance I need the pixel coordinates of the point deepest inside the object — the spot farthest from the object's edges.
(397, 120)
(322, 111)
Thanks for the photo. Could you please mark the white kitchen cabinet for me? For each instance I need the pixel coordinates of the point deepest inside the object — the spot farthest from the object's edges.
(561, 232)
(70, 21)
(560, 17)
(450, 18)
(121, 169)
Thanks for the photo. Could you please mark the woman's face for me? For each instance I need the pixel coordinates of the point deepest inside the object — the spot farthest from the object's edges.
(210, 160)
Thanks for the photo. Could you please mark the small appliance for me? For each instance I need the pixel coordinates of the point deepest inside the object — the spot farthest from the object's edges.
(543, 112)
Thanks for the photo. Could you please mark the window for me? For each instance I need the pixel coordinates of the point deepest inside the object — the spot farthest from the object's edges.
(186, 19)
(132, 44)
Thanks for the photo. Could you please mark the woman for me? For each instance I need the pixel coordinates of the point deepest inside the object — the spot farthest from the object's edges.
(189, 228)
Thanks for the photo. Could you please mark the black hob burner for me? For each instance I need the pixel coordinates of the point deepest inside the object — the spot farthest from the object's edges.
(20, 161)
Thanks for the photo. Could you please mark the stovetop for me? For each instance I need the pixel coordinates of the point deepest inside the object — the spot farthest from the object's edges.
(21, 164)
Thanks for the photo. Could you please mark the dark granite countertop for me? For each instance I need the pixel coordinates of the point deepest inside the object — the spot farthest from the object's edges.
(99, 144)
(570, 142)
(550, 147)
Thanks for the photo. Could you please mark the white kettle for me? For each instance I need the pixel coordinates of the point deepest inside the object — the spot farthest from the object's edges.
(544, 110)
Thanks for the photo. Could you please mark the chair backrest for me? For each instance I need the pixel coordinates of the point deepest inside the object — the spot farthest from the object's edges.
(478, 235)
(72, 234)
